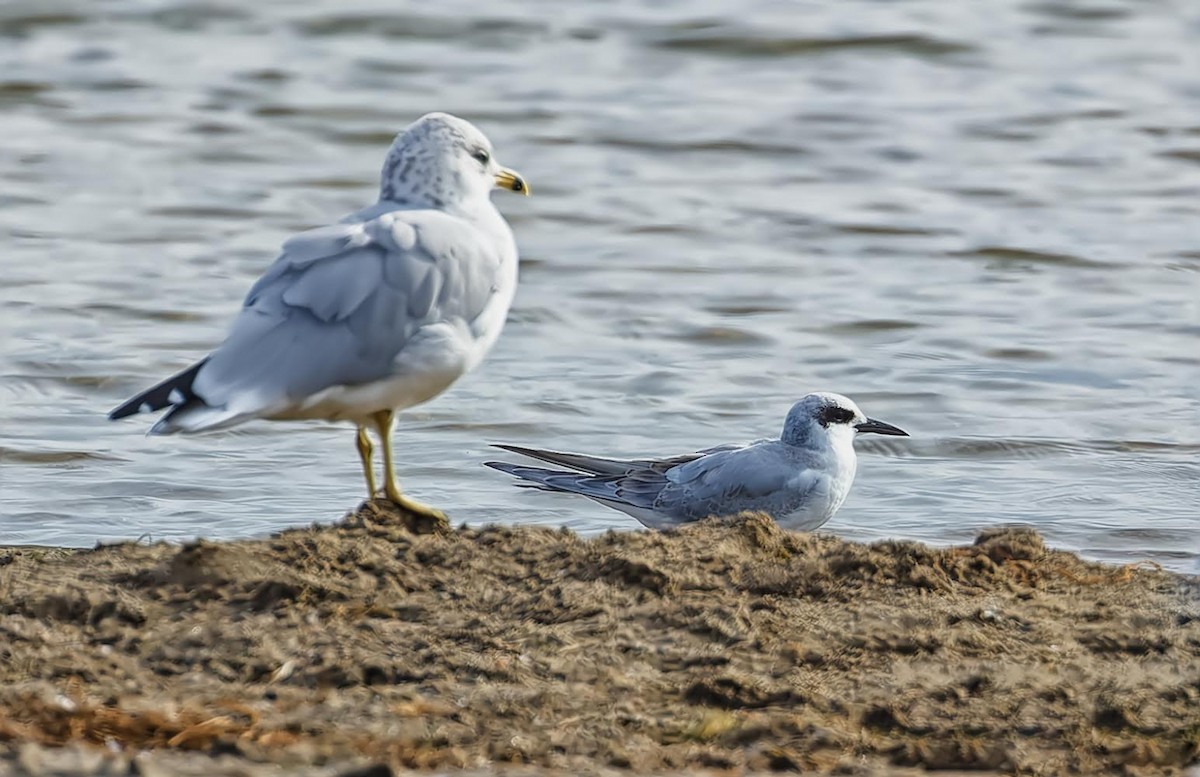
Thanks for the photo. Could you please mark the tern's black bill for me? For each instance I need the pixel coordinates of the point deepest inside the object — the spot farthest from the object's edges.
(879, 427)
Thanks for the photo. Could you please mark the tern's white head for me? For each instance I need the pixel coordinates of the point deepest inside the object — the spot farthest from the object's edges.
(441, 161)
(823, 418)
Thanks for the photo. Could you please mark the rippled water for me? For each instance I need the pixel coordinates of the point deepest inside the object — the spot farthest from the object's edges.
(980, 224)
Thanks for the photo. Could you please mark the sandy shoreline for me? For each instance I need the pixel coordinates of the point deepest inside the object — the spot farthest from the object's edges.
(722, 646)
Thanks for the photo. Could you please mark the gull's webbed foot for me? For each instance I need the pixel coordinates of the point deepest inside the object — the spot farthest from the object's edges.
(391, 487)
(416, 508)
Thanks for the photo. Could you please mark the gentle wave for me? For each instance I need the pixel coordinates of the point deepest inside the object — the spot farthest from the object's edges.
(1000, 449)
(734, 41)
(25, 456)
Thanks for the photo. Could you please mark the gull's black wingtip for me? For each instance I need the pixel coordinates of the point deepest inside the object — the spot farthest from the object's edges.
(132, 407)
(174, 391)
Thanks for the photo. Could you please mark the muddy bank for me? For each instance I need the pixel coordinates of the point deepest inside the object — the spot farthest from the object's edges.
(722, 646)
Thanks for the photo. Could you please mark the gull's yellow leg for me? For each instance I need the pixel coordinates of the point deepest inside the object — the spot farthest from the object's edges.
(383, 422)
(366, 453)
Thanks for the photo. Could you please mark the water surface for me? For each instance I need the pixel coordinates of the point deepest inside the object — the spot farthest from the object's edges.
(983, 227)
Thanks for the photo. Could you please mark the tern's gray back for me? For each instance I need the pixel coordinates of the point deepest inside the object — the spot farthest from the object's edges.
(768, 476)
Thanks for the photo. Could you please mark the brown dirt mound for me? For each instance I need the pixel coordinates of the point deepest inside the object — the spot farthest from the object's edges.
(731, 645)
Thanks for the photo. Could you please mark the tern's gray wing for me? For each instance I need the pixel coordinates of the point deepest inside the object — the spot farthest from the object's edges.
(766, 476)
(625, 481)
(659, 492)
(632, 491)
(599, 465)
(340, 303)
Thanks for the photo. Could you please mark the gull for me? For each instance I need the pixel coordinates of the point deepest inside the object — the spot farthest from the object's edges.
(800, 479)
(377, 313)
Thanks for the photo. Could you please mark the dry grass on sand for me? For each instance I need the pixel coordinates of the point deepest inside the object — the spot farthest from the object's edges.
(721, 646)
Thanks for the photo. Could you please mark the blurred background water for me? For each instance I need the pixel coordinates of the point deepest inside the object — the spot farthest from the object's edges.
(979, 221)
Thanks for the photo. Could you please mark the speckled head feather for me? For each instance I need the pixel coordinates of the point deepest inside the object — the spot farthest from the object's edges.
(439, 161)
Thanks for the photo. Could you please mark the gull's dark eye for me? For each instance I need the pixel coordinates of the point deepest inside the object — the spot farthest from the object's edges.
(832, 414)
(482, 155)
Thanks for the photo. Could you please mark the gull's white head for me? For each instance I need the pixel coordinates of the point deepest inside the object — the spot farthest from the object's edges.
(440, 161)
(822, 418)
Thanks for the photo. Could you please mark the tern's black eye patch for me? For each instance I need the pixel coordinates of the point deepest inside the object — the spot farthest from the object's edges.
(832, 414)
(482, 155)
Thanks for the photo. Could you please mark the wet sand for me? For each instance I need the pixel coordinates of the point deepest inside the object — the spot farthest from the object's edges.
(724, 646)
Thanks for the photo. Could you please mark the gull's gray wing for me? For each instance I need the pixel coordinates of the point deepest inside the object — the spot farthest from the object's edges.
(339, 306)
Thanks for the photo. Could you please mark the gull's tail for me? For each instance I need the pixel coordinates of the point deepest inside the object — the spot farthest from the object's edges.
(188, 411)
(174, 392)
